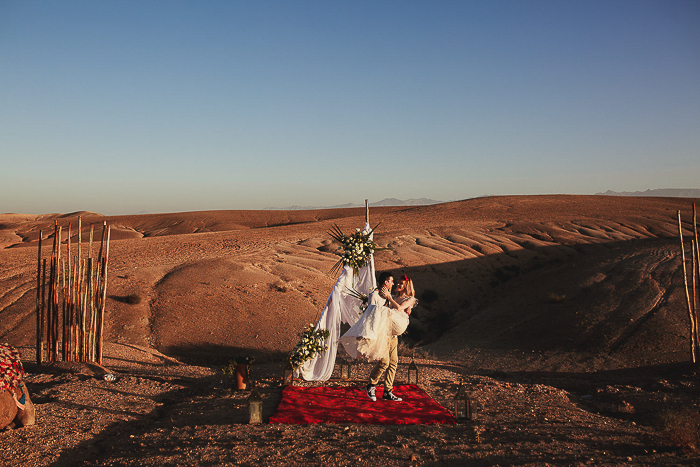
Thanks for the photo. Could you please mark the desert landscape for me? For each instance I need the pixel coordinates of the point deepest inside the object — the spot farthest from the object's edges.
(565, 316)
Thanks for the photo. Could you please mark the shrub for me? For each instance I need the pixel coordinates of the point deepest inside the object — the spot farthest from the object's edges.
(556, 298)
(680, 428)
(415, 352)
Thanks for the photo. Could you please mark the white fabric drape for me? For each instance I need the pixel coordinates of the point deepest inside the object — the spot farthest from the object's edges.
(340, 307)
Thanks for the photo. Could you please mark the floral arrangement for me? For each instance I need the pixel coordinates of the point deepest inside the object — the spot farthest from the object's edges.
(353, 292)
(311, 343)
(357, 248)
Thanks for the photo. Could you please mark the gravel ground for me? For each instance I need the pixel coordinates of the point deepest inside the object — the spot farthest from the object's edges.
(158, 412)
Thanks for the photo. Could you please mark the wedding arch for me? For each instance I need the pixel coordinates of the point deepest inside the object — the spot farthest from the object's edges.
(341, 307)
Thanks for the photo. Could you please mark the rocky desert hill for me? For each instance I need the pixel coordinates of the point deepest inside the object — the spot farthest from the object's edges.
(590, 281)
(565, 315)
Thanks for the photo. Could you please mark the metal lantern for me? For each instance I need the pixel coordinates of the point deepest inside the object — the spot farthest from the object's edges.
(345, 370)
(461, 403)
(412, 373)
(288, 376)
(255, 407)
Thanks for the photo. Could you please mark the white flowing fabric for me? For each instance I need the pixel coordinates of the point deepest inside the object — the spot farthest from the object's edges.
(339, 307)
(369, 338)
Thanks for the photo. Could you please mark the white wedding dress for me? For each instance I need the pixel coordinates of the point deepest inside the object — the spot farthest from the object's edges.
(369, 338)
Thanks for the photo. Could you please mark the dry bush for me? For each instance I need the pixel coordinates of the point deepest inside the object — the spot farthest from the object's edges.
(626, 408)
(555, 297)
(414, 352)
(681, 428)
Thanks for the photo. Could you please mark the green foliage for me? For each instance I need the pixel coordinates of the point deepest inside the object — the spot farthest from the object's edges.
(312, 342)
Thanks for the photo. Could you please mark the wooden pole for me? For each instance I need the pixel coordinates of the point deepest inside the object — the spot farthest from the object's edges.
(44, 340)
(64, 320)
(687, 294)
(102, 242)
(92, 227)
(68, 299)
(50, 310)
(103, 300)
(367, 211)
(83, 310)
(696, 262)
(90, 301)
(57, 292)
(94, 307)
(98, 278)
(694, 307)
(38, 304)
(78, 297)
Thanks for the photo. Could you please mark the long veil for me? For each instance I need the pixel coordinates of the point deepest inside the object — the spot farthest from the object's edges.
(340, 307)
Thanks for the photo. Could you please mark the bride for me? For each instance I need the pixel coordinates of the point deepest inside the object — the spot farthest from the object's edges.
(385, 317)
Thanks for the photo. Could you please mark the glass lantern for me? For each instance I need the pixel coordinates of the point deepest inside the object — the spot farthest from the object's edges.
(255, 407)
(345, 370)
(461, 403)
(412, 373)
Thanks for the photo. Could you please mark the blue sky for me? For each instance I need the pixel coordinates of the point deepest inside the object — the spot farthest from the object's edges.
(129, 106)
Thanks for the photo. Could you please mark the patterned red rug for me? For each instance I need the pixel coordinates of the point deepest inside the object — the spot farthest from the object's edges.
(301, 405)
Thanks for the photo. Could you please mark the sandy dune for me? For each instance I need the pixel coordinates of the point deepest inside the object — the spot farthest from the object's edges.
(214, 283)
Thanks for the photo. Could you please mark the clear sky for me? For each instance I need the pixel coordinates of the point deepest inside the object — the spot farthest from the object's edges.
(159, 106)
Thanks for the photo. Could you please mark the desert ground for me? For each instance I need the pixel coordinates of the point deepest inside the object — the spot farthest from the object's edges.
(565, 316)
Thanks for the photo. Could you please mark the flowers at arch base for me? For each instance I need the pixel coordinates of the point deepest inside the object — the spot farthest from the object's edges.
(312, 342)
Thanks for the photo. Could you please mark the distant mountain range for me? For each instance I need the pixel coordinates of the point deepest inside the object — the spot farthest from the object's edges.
(384, 202)
(662, 192)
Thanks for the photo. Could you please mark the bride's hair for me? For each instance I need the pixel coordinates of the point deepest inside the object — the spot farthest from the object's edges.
(409, 288)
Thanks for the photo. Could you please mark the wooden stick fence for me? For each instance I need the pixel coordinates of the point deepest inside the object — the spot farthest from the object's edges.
(70, 299)
(692, 303)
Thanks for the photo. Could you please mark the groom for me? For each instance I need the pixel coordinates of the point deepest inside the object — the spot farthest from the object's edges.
(390, 361)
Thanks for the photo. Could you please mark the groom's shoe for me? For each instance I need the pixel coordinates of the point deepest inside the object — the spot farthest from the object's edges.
(389, 396)
(370, 390)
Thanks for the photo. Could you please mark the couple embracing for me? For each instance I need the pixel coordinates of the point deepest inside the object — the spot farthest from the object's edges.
(375, 335)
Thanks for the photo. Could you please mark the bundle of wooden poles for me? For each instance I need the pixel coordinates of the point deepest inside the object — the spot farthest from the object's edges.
(694, 276)
(70, 299)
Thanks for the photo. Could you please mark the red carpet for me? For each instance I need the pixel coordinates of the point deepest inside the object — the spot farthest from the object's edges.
(301, 405)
